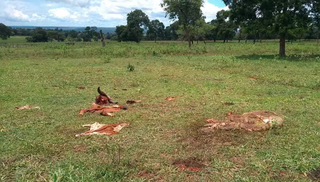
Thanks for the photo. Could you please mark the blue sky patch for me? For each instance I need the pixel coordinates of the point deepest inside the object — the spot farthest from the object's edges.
(218, 3)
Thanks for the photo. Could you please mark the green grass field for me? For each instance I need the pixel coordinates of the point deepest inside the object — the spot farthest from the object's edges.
(14, 39)
(40, 145)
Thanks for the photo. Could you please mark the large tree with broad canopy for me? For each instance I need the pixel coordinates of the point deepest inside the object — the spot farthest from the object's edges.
(186, 11)
(279, 16)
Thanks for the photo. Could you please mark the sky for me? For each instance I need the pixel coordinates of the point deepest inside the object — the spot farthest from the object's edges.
(79, 13)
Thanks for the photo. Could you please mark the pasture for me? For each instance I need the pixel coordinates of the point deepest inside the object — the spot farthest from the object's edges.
(40, 144)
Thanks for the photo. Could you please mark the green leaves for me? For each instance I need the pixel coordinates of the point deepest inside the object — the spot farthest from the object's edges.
(187, 12)
(274, 15)
(5, 31)
(155, 30)
(133, 31)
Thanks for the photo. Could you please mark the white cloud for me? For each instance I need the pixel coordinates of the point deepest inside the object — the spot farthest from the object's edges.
(36, 17)
(210, 11)
(14, 14)
(108, 13)
(116, 9)
(63, 13)
(81, 3)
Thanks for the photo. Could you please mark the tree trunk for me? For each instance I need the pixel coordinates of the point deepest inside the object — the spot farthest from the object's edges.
(282, 50)
(260, 37)
(102, 39)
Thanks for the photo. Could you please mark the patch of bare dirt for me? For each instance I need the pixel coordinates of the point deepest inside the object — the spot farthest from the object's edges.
(195, 139)
(228, 103)
(315, 174)
(191, 164)
(145, 174)
(79, 148)
(278, 175)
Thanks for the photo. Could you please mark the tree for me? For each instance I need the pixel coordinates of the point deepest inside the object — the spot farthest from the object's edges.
(278, 16)
(212, 35)
(199, 31)
(254, 29)
(315, 13)
(171, 32)
(187, 12)
(5, 31)
(202, 30)
(133, 31)
(72, 35)
(225, 28)
(135, 20)
(102, 38)
(39, 35)
(61, 36)
(52, 35)
(86, 35)
(155, 30)
(122, 33)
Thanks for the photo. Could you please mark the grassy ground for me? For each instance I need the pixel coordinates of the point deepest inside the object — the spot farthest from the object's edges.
(14, 39)
(40, 145)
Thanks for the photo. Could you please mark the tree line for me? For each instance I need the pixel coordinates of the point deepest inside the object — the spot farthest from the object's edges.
(48, 35)
(285, 19)
(245, 19)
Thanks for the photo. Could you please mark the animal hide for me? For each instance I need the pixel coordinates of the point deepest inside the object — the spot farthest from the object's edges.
(27, 107)
(103, 98)
(103, 129)
(171, 98)
(251, 121)
(133, 101)
(103, 110)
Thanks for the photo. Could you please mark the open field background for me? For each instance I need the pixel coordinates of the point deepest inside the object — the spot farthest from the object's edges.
(14, 39)
(40, 145)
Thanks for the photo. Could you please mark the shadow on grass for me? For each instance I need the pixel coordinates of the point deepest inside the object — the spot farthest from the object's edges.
(293, 57)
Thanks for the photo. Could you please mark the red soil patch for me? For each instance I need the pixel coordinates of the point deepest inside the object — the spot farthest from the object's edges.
(145, 174)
